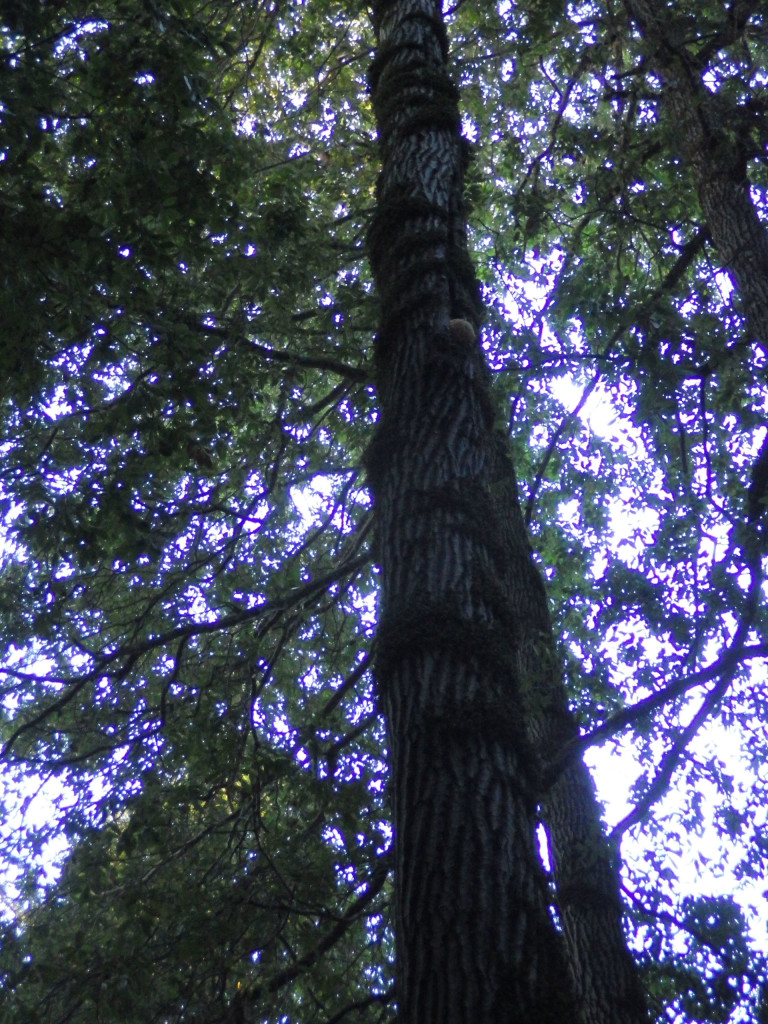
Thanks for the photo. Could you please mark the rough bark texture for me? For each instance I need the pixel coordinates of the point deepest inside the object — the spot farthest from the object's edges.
(475, 705)
(474, 939)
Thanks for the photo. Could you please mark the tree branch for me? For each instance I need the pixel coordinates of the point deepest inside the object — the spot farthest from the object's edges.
(671, 760)
(729, 662)
(378, 878)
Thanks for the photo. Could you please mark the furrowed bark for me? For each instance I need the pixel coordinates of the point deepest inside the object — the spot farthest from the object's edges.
(474, 940)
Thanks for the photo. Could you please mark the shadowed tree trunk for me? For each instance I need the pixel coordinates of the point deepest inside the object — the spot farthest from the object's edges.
(474, 707)
(603, 975)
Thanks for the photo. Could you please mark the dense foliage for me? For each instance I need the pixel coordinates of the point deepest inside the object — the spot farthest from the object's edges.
(188, 590)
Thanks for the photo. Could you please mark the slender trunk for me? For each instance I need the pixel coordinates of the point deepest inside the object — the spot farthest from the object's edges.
(474, 940)
(715, 138)
(604, 976)
(714, 135)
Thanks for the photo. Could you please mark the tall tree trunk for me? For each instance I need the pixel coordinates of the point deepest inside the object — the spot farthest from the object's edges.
(474, 939)
(474, 705)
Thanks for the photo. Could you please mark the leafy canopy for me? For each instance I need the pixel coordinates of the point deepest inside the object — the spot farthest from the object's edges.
(188, 590)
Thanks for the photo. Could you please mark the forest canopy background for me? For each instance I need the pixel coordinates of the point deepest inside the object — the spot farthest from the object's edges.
(188, 319)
